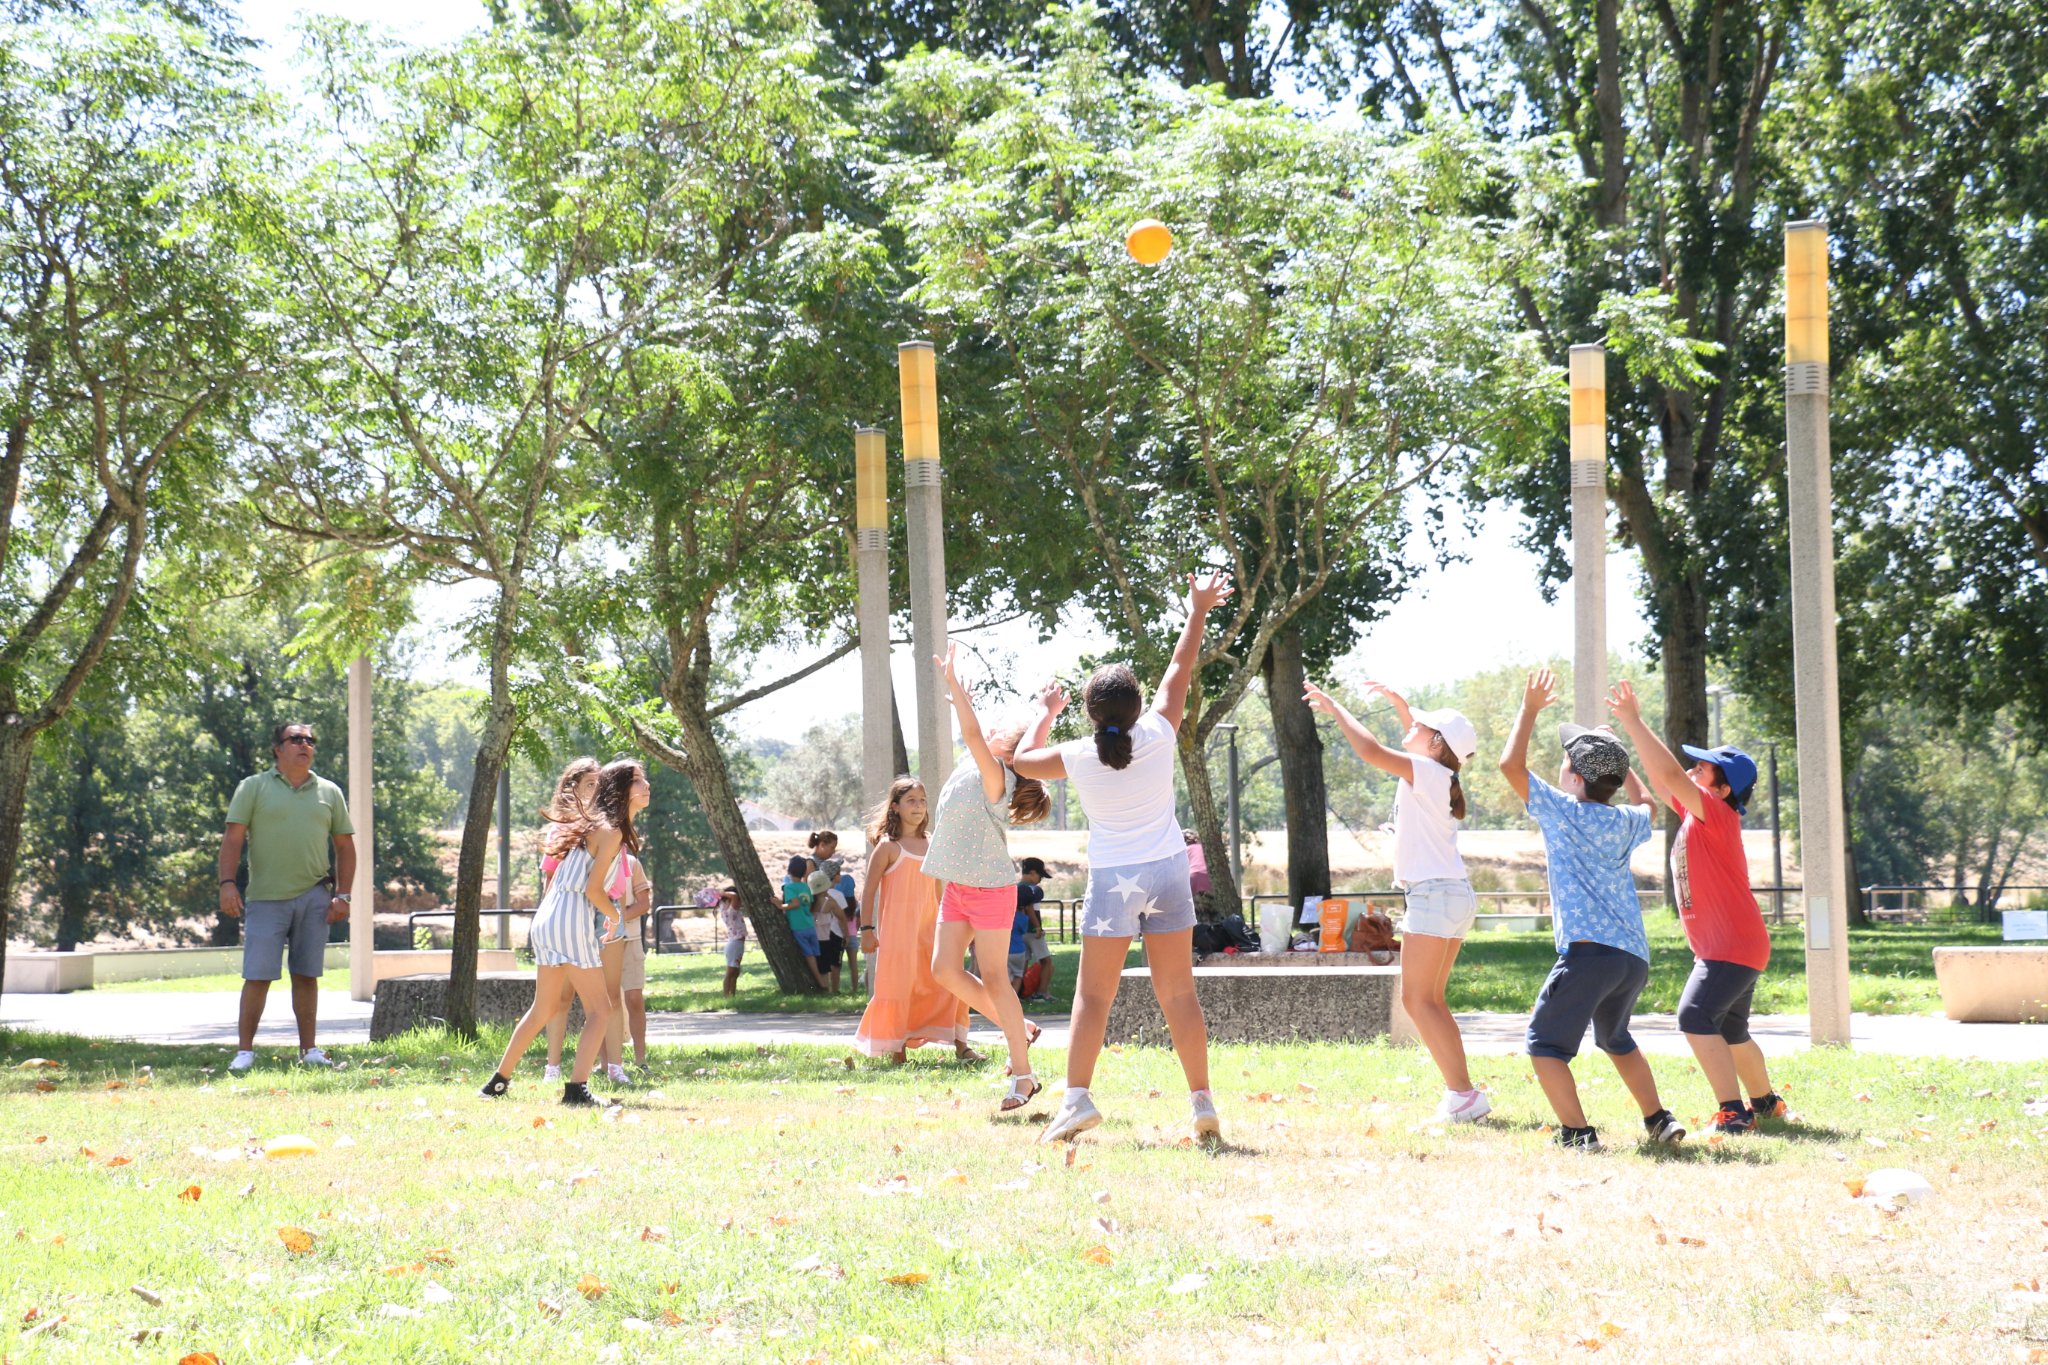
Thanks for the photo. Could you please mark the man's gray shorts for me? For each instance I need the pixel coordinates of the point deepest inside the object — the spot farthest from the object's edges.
(1143, 898)
(267, 926)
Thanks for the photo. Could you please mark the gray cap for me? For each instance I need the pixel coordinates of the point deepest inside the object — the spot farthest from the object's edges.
(1593, 754)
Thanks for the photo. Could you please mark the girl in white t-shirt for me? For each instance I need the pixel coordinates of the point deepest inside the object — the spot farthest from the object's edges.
(1428, 804)
(1137, 863)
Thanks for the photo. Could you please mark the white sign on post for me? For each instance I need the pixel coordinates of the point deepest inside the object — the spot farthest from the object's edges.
(2025, 924)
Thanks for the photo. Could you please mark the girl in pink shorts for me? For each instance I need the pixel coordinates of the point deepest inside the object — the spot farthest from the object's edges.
(970, 853)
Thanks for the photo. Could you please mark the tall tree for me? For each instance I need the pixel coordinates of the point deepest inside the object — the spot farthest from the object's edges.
(1322, 339)
(135, 284)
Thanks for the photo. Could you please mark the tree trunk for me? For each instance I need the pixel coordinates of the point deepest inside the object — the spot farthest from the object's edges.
(703, 763)
(1684, 646)
(17, 747)
(1300, 748)
(493, 747)
(1222, 898)
(896, 733)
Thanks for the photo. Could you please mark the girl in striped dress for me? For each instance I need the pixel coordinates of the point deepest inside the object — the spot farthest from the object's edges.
(565, 936)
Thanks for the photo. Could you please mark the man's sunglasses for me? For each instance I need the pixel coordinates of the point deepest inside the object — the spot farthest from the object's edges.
(306, 740)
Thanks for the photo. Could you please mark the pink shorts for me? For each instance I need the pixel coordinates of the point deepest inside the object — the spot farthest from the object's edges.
(982, 907)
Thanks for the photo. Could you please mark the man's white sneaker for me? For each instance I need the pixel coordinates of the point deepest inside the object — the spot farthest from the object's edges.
(1465, 1108)
(1077, 1114)
(1208, 1128)
(313, 1056)
(553, 1072)
(243, 1061)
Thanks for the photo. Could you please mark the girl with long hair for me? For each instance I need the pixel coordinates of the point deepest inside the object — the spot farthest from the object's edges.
(970, 853)
(565, 933)
(899, 926)
(1429, 801)
(1137, 863)
(566, 814)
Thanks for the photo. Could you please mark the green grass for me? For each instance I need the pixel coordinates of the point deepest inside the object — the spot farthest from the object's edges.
(1891, 968)
(749, 1208)
(216, 981)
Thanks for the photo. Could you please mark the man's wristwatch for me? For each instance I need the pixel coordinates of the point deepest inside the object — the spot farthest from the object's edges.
(227, 881)
(339, 896)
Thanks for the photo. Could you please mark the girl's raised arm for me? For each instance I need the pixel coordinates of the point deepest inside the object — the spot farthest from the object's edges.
(991, 767)
(1033, 759)
(1204, 594)
(1363, 744)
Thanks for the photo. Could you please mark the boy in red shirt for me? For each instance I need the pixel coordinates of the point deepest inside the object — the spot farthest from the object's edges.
(1710, 874)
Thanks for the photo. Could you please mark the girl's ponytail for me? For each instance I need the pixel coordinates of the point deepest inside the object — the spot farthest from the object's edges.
(1457, 797)
(1030, 802)
(1441, 751)
(1113, 702)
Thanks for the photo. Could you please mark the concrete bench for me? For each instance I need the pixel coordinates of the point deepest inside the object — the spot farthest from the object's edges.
(1994, 983)
(47, 973)
(1282, 998)
(408, 1002)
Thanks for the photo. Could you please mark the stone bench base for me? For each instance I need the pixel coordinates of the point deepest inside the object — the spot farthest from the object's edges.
(47, 973)
(1994, 984)
(1284, 998)
(409, 1002)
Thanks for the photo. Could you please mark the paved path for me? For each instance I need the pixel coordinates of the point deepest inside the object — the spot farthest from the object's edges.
(207, 1017)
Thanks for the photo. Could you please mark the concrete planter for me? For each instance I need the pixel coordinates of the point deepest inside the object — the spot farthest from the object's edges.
(47, 973)
(1994, 984)
(1296, 997)
(151, 964)
(409, 1002)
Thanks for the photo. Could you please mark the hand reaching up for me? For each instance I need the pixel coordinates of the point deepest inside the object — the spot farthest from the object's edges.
(1052, 697)
(1319, 700)
(1208, 591)
(1541, 690)
(1621, 699)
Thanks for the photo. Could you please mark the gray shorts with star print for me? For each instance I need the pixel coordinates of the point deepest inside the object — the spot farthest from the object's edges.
(1144, 898)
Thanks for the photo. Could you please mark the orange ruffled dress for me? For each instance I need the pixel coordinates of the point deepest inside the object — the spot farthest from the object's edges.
(910, 1008)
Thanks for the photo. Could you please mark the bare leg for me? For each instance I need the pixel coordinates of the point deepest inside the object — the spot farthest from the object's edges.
(254, 993)
(1172, 960)
(547, 1002)
(1749, 1060)
(1634, 1069)
(1102, 968)
(597, 1017)
(1560, 1089)
(992, 997)
(732, 980)
(558, 1024)
(1426, 962)
(636, 1020)
(1717, 1063)
(613, 956)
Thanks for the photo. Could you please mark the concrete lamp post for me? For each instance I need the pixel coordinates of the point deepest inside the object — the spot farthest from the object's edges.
(871, 560)
(362, 907)
(1589, 533)
(924, 513)
(1810, 503)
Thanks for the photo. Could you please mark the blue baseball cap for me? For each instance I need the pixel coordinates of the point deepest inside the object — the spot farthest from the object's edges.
(1738, 769)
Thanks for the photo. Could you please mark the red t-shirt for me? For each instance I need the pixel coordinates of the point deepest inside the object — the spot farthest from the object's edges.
(1711, 872)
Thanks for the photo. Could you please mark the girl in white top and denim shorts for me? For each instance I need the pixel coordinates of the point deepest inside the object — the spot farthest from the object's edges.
(1137, 865)
(1428, 804)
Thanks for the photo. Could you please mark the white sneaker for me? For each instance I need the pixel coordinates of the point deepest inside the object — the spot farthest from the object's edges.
(243, 1061)
(618, 1075)
(1077, 1114)
(553, 1072)
(313, 1056)
(1456, 1108)
(1208, 1128)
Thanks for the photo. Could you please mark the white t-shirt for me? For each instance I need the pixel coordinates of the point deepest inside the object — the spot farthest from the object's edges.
(1130, 810)
(1425, 835)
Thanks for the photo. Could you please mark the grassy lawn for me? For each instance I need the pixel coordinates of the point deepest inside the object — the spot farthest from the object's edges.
(779, 1207)
(1891, 968)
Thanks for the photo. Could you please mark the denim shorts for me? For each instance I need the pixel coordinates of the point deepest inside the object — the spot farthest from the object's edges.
(1142, 898)
(1443, 907)
(735, 951)
(1716, 1000)
(807, 941)
(1591, 984)
(269, 926)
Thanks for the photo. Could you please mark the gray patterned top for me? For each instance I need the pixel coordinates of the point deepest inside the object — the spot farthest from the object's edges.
(970, 833)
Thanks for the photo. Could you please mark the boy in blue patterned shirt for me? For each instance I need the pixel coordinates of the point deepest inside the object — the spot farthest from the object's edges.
(1603, 955)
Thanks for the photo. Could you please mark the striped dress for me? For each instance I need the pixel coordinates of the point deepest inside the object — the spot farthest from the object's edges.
(564, 932)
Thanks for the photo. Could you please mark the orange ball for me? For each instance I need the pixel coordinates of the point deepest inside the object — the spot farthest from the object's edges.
(1148, 241)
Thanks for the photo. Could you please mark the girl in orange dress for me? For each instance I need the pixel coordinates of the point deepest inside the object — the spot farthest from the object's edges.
(899, 906)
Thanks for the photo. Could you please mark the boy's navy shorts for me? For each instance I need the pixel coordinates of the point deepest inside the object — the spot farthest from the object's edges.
(1717, 998)
(1591, 984)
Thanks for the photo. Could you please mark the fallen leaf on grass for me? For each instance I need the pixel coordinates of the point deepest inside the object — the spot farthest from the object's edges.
(147, 1295)
(142, 1336)
(1692, 1241)
(542, 1121)
(199, 1358)
(38, 1063)
(909, 1279)
(40, 1137)
(651, 1235)
(549, 1308)
(44, 1087)
(1189, 1283)
(1098, 1255)
(1072, 1152)
(190, 1194)
(1264, 1220)
(441, 1256)
(671, 1318)
(591, 1287)
(1100, 1196)
(298, 1241)
(48, 1326)
(32, 1314)
(1854, 1187)
(116, 1085)
(405, 1268)
(114, 1161)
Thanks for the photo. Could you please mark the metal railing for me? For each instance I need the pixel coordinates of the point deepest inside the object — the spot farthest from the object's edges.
(1910, 904)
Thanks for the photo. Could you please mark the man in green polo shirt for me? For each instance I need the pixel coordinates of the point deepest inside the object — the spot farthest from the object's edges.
(289, 817)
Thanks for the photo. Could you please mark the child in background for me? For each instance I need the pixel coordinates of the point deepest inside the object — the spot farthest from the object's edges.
(1428, 804)
(1723, 923)
(1603, 955)
(825, 858)
(796, 903)
(829, 913)
(1030, 958)
(732, 923)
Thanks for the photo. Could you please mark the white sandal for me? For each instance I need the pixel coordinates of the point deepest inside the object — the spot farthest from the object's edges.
(1019, 1096)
